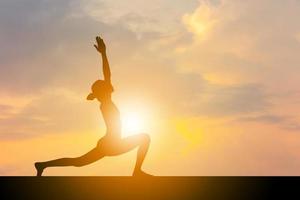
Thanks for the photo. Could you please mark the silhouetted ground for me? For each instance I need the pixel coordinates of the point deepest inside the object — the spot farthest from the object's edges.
(183, 188)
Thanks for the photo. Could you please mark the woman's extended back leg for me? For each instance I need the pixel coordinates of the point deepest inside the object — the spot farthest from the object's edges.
(88, 158)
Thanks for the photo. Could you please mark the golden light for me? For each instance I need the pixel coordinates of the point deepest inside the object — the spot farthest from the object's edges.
(132, 122)
(137, 117)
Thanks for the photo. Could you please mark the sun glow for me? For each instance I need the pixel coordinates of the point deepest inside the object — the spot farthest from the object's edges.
(135, 119)
(133, 122)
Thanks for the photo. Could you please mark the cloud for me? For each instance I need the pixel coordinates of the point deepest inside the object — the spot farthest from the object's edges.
(49, 48)
(202, 20)
(189, 94)
(285, 122)
(232, 100)
(40, 40)
(53, 112)
(272, 119)
(225, 74)
(28, 39)
(139, 17)
(239, 50)
(243, 41)
(5, 109)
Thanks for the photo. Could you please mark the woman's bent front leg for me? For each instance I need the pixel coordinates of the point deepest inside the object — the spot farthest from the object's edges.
(141, 141)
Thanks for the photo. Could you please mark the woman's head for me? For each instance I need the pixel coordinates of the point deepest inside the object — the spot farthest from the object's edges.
(100, 90)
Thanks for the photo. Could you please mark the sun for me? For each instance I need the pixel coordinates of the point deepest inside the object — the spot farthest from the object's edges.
(138, 116)
(133, 123)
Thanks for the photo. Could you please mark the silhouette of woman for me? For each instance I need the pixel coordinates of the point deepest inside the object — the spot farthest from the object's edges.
(111, 144)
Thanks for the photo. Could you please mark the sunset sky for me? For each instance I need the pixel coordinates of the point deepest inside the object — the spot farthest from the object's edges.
(216, 84)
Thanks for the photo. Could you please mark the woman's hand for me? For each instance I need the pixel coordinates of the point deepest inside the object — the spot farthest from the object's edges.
(100, 46)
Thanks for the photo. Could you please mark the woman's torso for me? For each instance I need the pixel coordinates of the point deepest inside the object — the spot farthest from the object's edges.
(112, 119)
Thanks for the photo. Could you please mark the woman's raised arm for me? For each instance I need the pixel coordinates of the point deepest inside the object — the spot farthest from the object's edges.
(101, 48)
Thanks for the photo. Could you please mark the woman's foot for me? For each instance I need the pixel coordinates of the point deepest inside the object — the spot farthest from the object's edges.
(140, 173)
(39, 168)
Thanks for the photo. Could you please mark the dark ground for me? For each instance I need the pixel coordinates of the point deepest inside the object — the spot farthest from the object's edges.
(183, 188)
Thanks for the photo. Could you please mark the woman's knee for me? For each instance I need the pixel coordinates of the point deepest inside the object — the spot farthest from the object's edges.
(145, 138)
